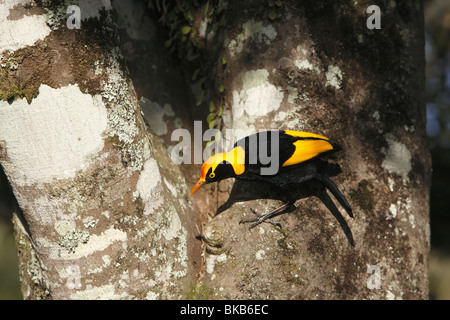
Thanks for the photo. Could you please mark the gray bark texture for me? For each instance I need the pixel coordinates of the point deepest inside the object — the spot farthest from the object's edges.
(316, 66)
(123, 225)
(110, 217)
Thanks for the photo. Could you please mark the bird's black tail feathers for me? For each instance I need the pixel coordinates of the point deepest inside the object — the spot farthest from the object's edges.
(329, 184)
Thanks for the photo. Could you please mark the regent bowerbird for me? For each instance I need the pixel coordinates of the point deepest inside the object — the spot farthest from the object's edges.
(299, 161)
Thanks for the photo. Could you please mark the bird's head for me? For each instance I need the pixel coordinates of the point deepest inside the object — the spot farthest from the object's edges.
(221, 166)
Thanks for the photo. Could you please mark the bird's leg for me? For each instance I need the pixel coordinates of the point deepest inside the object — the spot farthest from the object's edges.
(260, 218)
(287, 207)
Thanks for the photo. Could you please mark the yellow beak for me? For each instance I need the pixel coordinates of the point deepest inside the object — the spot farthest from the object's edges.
(197, 186)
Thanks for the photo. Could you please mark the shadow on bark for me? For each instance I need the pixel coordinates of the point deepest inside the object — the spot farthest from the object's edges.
(247, 190)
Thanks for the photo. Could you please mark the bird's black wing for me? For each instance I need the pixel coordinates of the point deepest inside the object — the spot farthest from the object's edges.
(281, 150)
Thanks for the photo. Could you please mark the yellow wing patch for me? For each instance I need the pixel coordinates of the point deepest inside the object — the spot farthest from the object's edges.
(307, 149)
(302, 134)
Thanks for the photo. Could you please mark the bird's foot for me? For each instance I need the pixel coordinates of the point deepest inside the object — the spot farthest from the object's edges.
(260, 219)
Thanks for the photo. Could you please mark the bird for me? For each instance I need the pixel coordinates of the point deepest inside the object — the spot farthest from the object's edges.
(282, 158)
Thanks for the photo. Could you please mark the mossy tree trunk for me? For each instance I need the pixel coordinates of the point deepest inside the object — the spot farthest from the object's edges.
(318, 67)
(103, 213)
(107, 211)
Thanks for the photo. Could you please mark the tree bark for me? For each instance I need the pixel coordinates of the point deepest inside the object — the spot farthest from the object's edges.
(309, 66)
(104, 215)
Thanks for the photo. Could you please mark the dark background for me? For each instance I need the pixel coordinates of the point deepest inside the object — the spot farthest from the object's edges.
(437, 36)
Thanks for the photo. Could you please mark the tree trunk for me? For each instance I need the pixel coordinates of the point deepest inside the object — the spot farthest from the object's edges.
(103, 213)
(316, 66)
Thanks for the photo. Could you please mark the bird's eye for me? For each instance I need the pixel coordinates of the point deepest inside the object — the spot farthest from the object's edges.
(212, 175)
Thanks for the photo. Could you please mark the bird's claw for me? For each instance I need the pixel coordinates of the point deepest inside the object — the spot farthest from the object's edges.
(259, 219)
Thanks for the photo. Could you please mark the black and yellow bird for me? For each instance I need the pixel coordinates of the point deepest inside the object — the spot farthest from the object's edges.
(297, 162)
